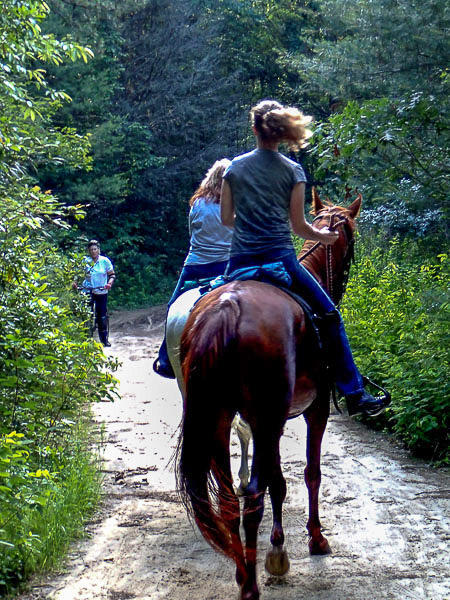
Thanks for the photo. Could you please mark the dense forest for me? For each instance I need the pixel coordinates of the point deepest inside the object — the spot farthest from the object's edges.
(111, 113)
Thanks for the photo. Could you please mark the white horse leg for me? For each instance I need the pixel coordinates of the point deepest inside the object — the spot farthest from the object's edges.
(176, 320)
(244, 434)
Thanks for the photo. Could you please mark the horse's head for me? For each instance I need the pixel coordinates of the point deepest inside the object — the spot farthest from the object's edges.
(331, 264)
(327, 214)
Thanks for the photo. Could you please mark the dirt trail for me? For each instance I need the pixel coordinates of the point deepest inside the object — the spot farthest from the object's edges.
(384, 513)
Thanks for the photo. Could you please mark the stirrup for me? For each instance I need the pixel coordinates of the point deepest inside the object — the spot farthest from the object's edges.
(386, 397)
(365, 403)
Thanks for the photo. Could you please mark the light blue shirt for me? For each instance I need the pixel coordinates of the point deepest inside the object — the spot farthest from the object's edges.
(96, 274)
(210, 240)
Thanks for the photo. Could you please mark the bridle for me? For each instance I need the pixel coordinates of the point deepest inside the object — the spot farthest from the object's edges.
(335, 221)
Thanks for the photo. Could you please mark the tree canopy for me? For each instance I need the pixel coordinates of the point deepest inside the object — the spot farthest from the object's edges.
(386, 66)
(170, 86)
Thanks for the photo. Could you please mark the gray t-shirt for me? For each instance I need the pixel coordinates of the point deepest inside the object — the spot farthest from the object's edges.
(261, 182)
(210, 240)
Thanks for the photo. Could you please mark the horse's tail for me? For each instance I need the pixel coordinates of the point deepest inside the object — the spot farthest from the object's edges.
(208, 352)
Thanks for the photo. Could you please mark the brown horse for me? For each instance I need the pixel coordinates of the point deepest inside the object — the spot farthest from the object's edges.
(246, 348)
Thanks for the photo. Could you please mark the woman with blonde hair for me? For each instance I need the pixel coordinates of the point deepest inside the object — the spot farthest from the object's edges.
(209, 245)
(263, 196)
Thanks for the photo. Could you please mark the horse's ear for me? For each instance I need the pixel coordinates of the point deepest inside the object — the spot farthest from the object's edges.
(355, 207)
(316, 202)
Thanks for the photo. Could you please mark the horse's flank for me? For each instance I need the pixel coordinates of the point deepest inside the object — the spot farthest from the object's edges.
(176, 321)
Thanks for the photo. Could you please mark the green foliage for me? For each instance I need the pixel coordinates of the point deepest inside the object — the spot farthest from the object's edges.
(393, 151)
(143, 281)
(386, 65)
(369, 49)
(122, 208)
(120, 147)
(49, 367)
(43, 509)
(27, 102)
(396, 312)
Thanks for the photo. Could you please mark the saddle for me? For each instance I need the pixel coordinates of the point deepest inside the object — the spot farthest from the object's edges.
(272, 273)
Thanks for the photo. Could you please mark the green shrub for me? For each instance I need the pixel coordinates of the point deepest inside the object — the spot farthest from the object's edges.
(41, 511)
(141, 281)
(396, 312)
(50, 369)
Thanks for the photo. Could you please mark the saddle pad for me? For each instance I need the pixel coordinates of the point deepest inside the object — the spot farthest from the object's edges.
(274, 273)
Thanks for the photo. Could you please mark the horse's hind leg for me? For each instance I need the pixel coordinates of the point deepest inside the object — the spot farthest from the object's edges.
(277, 562)
(253, 513)
(265, 467)
(316, 419)
(244, 434)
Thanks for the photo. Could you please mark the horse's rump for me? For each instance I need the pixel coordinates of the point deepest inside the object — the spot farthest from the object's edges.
(246, 335)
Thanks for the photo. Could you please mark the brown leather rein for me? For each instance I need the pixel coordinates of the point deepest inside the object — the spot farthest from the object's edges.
(347, 260)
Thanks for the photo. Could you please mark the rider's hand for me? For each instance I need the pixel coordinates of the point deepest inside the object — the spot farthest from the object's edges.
(108, 286)
(327, 236)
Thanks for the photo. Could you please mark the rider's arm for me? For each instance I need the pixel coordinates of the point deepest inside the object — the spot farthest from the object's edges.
(300, 226)
(226, 205)
(111, 278)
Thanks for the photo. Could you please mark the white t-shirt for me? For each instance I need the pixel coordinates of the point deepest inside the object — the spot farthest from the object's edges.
(96, 274)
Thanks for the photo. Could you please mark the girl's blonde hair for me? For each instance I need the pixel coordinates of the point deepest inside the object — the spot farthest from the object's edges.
(277, 123)
(212, 183)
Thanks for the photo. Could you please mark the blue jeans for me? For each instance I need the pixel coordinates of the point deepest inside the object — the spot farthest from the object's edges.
(347, 377)
(189, 273)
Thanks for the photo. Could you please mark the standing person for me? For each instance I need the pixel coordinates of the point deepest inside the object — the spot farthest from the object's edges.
(209, 248)
(263, 192)
(99, 278)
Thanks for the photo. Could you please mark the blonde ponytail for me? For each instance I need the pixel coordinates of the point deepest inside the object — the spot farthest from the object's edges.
(277, 123)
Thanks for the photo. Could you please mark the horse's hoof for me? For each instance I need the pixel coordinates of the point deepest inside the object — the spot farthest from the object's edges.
(319, 547)
(277, 561)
